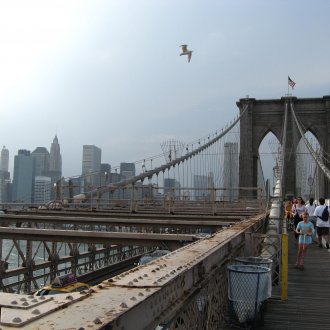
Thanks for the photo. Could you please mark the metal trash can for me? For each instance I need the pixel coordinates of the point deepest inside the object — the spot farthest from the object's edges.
(259, 261)
(248, 287)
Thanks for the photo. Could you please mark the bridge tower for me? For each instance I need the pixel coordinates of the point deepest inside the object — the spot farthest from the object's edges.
(264, 116)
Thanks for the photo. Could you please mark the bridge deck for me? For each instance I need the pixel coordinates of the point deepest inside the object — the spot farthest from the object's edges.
(308, 299)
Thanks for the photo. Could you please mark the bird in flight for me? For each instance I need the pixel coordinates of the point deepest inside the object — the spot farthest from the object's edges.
(185, 51)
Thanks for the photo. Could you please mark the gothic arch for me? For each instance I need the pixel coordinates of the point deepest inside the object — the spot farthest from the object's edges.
(262, 134)
(306, 170)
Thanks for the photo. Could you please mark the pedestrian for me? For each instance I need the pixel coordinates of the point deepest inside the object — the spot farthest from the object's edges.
(298, 209)
(310, 206)
(322, 227)
(288, 213)
(305, 231)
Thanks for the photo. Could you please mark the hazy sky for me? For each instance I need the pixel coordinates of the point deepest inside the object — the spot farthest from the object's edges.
(109, 73)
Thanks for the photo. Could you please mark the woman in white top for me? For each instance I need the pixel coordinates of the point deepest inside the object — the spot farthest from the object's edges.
(322, 227)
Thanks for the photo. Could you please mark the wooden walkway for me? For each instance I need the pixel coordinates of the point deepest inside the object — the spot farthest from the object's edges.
(308, 301)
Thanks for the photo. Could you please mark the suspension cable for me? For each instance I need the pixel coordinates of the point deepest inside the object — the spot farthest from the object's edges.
(316, 157)
(150, 173)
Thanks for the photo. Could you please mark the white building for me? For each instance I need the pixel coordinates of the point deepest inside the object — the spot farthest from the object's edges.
(4, 160)
(91, 160)
(42, 189)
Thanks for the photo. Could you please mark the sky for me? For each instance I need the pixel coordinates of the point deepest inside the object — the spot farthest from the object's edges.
(108, 73)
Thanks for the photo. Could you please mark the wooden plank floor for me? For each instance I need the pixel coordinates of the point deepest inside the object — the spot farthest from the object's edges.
(308, 301)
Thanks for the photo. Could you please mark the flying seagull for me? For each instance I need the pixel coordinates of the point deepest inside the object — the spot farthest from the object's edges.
(185, 51)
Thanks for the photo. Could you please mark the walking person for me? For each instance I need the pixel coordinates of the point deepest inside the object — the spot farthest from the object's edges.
(310, 207)
(288, 214)
(304, 230)
(322, 226)
(298, 209)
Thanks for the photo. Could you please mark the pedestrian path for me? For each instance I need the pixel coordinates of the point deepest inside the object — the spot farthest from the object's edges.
(308, 301)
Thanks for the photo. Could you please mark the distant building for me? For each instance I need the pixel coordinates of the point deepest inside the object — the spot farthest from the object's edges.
(145, 192)
(75, 185)
(55, 162)
(172, 188)
(42, 189)
(114, 178)
(201, 183)
(105, 168)
(127, 170)
(5, 187)
(41, 161)
(91, 167)
(4, 160)
(105, 180)
(91, 159)
(54, 170)
(23, 177)
(4, 176)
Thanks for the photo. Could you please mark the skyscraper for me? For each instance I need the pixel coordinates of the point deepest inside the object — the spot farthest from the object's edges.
(91, 160)
(41, 161)
(23, 177)
(127, 170)
(4, 161)
(55, 164)
(4, 175)
(91, 167)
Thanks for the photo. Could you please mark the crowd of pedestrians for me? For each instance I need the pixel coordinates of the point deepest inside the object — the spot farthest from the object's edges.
(310, 223)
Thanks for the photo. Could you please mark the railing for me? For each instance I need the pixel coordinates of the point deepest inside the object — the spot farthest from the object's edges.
(186, 289)
(135, 199)
(31, 273)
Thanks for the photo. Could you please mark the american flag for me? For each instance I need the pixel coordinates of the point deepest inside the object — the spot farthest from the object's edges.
(291, 82)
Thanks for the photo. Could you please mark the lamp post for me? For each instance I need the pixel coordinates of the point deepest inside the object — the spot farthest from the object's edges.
(55, 190)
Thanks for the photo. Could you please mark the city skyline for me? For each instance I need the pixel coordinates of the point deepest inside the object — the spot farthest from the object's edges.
(55, 163)
(110, 73)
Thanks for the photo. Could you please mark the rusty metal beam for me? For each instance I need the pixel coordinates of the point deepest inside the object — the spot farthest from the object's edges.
(187, 222)
(223, 214)
(79, 236)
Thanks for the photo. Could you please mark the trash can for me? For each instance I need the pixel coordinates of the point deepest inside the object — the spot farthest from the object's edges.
(259, 261)
(248, 287)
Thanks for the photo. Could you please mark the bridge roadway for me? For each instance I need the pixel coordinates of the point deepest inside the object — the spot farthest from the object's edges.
(145, 296)
(307, 306)
(47, 240)
(111, 222)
